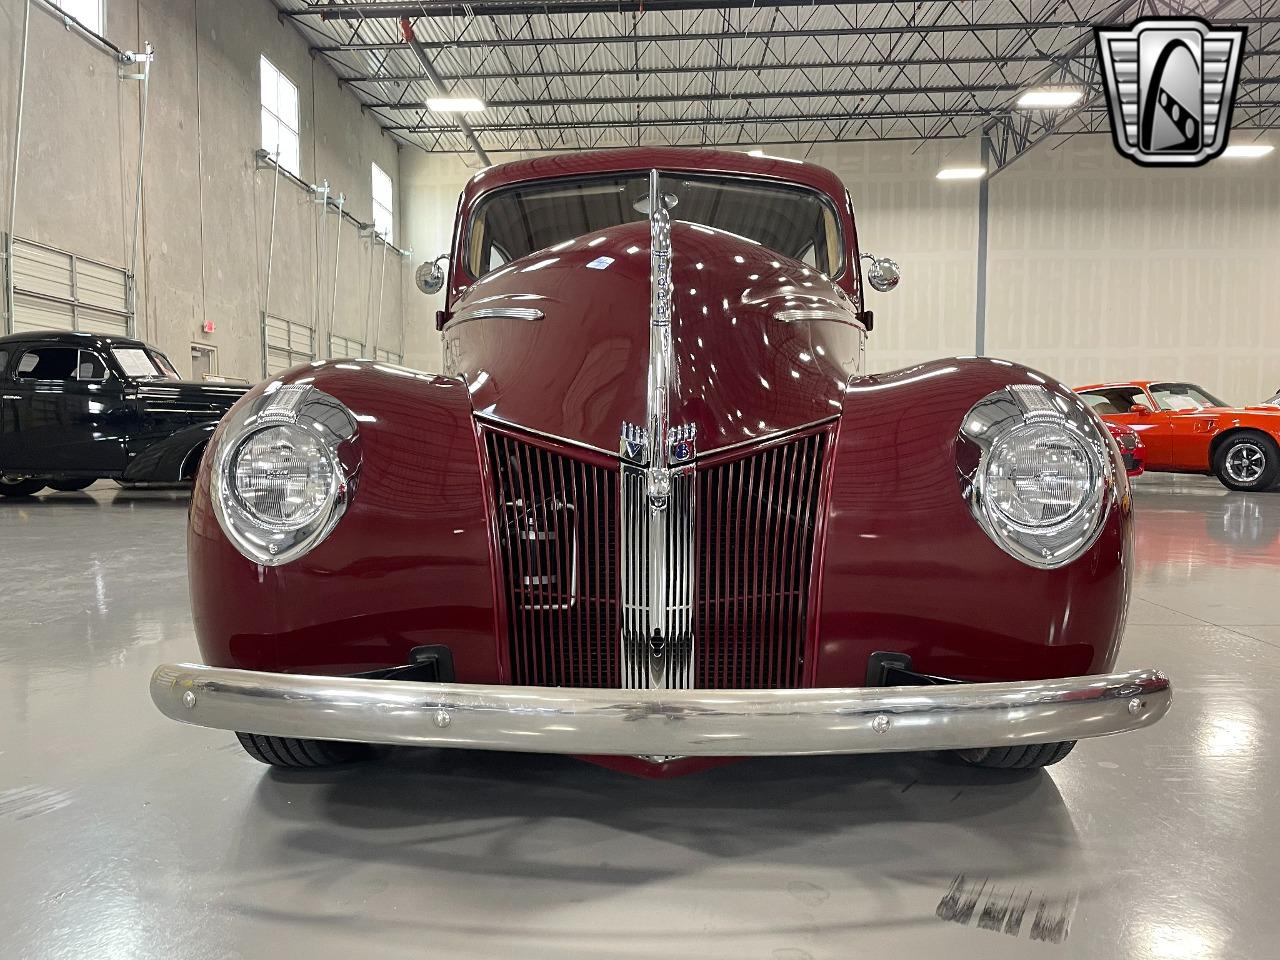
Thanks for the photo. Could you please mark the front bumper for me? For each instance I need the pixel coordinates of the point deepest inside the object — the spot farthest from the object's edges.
(686, 723)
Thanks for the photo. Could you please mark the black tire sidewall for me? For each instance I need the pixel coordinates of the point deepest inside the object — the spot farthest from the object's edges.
(1270, 475)
(22, 488)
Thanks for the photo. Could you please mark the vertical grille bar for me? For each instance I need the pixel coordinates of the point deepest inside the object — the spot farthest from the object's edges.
(556, 544)
(757, 520)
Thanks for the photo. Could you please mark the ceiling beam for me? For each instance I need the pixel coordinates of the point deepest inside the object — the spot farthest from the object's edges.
(503, 8)
(675, 98)
(745, 35)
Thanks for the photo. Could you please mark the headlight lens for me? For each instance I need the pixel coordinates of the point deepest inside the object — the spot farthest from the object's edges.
(283, 476)
(278, 483)
(1038, 473)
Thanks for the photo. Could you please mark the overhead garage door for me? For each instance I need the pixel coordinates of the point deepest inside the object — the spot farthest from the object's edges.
(288, 344)
(386, 356)
(343, 348)
(57, 290)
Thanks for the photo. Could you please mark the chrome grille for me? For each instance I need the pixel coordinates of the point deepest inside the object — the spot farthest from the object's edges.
(573, 543)
(557, 536)
(756, 526)
(657, 618)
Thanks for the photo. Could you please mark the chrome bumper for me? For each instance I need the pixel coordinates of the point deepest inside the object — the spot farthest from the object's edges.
(661, 722)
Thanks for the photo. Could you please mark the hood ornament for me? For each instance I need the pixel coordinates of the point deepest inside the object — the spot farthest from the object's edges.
(657, 494)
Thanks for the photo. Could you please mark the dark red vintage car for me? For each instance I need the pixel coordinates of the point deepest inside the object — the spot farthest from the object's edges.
(655, 513)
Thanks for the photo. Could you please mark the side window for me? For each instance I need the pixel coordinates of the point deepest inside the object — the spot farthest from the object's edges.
(1101, 405)
(90, 367)
(48, 363)
(1116, 400)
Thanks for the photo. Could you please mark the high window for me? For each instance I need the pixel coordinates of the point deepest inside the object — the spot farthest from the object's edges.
(279, 117)
(383, 205)
(88, 12)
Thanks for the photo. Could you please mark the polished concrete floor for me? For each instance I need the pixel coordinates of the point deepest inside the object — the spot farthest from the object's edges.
(123, 835)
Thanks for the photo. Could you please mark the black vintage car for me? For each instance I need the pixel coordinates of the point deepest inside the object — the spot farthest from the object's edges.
(78, 407)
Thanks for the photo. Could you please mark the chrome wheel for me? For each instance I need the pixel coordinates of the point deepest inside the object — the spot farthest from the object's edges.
(1245, 462)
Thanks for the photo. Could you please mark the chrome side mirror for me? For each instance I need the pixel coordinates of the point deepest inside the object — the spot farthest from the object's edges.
(883, 274)
(430, 275)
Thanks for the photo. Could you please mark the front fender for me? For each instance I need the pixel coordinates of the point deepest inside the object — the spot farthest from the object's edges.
(168, 460)
(407, 565)
(907, 569)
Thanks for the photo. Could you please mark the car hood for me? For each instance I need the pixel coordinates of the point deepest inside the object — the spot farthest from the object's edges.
(189, 396)
(580, 368)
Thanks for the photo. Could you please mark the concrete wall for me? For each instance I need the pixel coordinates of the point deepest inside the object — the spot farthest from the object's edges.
(206, 205)
(1097, 268)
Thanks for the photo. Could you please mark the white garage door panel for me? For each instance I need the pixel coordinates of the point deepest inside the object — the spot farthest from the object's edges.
(30, 313)
(99, 285)
(41, 270)
(345, 348)
(288, 344)
(98, 321)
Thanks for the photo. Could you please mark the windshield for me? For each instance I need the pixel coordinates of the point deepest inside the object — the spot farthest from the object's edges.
(143, 364)
(1182, 396)
(793, 221)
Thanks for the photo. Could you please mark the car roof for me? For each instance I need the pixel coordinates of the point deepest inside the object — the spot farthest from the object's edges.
(674, 159)
(77, 337)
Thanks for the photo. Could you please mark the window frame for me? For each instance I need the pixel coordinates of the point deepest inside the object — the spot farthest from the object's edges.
(273, 111)
(388, 208)
(17, 373)
(488, 196)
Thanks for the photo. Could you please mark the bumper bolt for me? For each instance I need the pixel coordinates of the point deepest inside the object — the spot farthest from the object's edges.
(189, 699)
(881, 724)
(442, 718)
(1135, 706)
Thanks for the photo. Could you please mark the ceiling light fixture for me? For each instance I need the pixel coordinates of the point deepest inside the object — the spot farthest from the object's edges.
(1249, 151)
(962, 173)
(455, 104)
(1049, 98)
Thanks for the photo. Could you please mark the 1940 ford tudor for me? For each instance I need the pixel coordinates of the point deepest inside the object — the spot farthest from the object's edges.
(654, 512)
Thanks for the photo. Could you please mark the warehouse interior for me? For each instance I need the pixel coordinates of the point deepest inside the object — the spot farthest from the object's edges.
(250, 185)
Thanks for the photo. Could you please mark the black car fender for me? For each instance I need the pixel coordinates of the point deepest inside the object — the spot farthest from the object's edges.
(173, 458)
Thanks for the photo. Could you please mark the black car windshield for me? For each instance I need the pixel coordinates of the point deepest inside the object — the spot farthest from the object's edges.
(143, 364)
(794, 221)
(1183, 396)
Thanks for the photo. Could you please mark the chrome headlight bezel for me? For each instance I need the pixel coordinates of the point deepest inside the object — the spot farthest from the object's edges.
(996, 418)
(300, 407)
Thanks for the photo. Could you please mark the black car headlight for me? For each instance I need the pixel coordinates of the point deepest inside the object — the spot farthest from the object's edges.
(1037, 472)
(278, 482)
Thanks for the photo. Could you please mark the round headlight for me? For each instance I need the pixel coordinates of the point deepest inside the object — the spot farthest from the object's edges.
(283, 476)
(278, 482)
(1038, 474)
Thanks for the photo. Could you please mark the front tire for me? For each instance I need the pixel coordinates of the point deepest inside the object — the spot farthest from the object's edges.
(297, 753)
(1031, 757)
(1247, 462)
(71, 484)
(21, 488)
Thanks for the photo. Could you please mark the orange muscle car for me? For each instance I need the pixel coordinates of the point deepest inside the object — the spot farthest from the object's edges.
(1188, 430)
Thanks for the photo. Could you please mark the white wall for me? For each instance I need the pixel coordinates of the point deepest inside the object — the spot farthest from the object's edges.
(206, 205)
(1097, 268)
(1100, 269)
